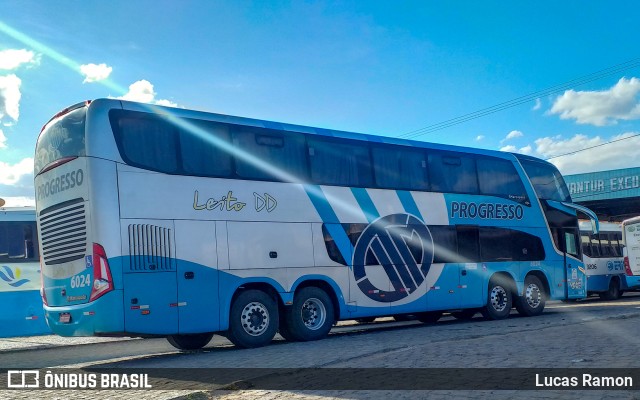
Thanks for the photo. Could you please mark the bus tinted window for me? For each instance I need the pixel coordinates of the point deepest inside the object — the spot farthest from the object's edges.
(453, 173)
(202, 147)
(399, 167)
(343, 163)
(468, 243)
(62, 138)
(147, 141)
(546, 180)
(499, 178)
(278, 151)
(18, 242)
(445, 244)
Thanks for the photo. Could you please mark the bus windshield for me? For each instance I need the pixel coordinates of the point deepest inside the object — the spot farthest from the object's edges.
(546, 180)
(61, 138)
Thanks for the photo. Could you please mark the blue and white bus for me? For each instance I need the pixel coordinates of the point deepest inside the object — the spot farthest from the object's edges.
(631, 251)
(603, 259)
(21, 313)
(179, 223)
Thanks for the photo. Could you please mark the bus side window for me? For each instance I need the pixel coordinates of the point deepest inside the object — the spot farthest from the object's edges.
(595, 245)
(339, 162)
(283, 154)
(445, 244)
(605, 245)
(586, 244)
(468, 243)
(453, 173)
(398, 167)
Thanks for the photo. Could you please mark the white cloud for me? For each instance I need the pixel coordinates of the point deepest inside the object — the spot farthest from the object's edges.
(537, 105)
(620, 154)
(513, 135)
(12, 59)
(95, 72)
(479, 138)
(142, 91)
(19, 201)
(10, 96)
(3, 140)
(16, 183)
(600, 108)
(513, 149)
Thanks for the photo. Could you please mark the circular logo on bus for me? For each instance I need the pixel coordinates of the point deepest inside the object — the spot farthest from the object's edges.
(392, 257)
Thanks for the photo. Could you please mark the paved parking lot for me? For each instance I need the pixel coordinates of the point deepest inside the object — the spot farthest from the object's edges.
(582, 335)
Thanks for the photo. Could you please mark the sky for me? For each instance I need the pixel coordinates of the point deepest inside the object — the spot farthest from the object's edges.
(549, 78)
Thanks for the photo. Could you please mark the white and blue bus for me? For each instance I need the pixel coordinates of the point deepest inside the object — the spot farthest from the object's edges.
(21, 313)
(631, 251)
(603, 259)
(179, 223)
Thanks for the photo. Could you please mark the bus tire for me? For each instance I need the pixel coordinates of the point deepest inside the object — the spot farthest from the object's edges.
(429, 317)
(533, 299)
(464, 315)
(311, 316)
(499, 300)
(613, 293)
(253, 319)
(190, 342)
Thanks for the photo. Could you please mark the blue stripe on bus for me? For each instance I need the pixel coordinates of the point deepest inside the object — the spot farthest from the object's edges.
(331, 221)
(409, 203)
(366, 204)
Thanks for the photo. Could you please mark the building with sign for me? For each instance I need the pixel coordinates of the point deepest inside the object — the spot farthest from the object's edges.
(613, 195)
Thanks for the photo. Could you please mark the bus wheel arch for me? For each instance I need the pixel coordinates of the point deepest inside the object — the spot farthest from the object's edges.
(500, 291)
(532, 300)
(254, 316)
(312, 313)
(614, 291)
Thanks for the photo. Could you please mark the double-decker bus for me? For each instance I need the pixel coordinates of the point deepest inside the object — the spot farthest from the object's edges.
(603, 259)
(21, 313)
(179, 223)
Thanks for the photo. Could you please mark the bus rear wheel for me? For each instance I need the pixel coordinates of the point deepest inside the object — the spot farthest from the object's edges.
(613, 293)
(190, 342)
(311, 316)
(532, 301)
(253, 319)
(499, 300)
(429, 317)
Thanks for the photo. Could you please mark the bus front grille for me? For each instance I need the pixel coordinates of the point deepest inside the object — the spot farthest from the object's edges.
(149, 248)
(63, 231)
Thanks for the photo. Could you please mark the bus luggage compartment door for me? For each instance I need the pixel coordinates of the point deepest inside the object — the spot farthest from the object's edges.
(149, 277)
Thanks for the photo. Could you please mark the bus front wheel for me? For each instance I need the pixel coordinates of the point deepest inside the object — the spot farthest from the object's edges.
(253, 319)
(190, 342)
(499, 300)
(311, 316)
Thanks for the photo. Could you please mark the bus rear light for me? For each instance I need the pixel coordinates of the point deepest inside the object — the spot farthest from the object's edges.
(43, 294)
(102, 281)
(627, 267)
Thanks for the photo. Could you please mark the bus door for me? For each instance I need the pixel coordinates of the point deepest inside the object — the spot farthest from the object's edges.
(149, 277)
(575, 276)
(197, 276)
